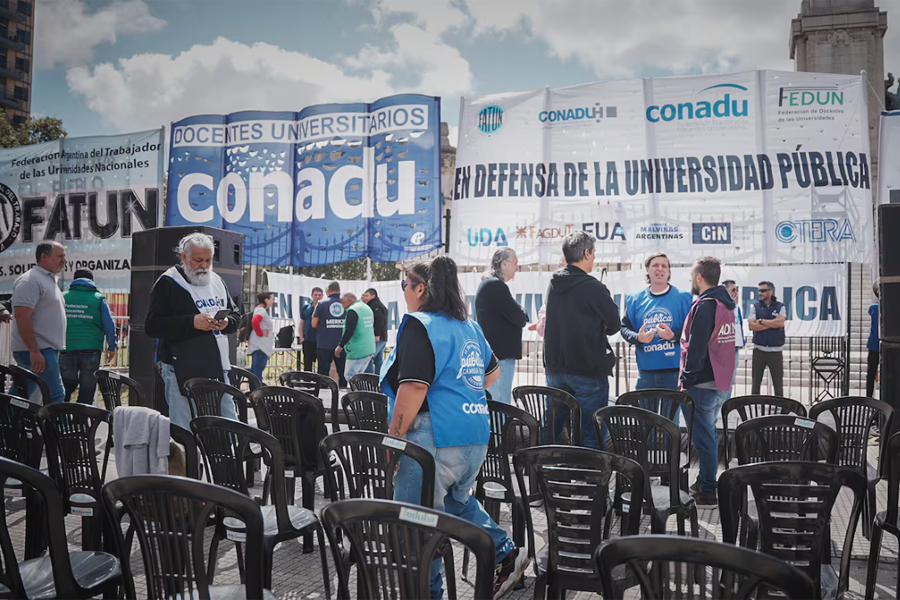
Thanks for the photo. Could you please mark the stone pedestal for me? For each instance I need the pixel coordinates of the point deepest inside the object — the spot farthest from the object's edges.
(845, 36)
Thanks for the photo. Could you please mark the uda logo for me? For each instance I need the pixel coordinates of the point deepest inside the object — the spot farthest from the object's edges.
(490, 119)
(336, 309)
(471, 366)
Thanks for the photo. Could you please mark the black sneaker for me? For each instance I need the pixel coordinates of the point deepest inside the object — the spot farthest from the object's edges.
(695, 487)
(705, 499)
(510, 572)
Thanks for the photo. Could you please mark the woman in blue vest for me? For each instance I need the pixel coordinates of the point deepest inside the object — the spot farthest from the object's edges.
(435, 380)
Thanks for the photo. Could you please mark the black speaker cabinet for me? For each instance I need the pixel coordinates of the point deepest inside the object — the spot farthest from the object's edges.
(889, 261)
(152, 253)
(890, 377)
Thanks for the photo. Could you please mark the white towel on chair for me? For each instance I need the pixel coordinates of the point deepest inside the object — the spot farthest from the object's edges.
(141, 441)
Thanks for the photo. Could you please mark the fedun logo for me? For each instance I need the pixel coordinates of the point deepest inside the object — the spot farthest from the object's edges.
(490, 119)
(471, 366)
(807, 96)
(10, 217)
(711, 233)
(703, 109)
(815, 231)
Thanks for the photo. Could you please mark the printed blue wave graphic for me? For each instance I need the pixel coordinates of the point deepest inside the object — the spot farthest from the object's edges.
(330, 183)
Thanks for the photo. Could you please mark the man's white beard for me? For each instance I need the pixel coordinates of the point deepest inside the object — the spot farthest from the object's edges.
(200, 277)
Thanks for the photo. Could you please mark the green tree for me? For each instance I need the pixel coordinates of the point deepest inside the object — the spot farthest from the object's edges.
(35, 130)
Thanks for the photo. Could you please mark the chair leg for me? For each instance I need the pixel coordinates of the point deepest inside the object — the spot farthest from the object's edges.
(109, 444)
(465, 565)
(326, 579)
(267, 481)
(518, 519)
(870, 509)
(872, 567)
(450, 579)
(308, 485)
(218, 534)
(695, 523)
(540, 587)
(681, 525)
(238, 549)
(268, 563)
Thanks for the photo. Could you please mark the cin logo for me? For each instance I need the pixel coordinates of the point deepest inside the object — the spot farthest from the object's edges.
(490, 119)
(711, 233)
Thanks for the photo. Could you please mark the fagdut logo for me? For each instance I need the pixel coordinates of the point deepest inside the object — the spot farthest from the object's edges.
(490, 119)
(816, 231)
(471, 366)
(10, 217)
(336, 309)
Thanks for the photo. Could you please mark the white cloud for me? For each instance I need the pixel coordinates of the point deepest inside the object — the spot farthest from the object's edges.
(66, 34)
(436, 16)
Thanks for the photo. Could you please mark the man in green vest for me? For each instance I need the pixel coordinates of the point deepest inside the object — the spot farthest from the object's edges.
(88, 321)
(359, 336)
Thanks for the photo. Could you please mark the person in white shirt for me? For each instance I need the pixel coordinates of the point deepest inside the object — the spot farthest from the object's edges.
(739, 340)
(261, 344)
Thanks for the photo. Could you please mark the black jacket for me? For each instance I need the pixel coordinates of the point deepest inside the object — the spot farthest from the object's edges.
(697, 366)
(170, 319)
(580, 314)
(380, 312)
(501, 318)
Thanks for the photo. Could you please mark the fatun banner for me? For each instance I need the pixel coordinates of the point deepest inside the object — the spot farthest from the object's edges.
(816, 300)
(327, 184)
(88, 193)
(754, 167)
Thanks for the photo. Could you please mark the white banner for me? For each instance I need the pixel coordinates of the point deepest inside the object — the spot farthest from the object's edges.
(754, 167)
(889, 159)
(815, 295)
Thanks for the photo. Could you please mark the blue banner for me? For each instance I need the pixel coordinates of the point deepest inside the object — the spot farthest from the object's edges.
(327, 184)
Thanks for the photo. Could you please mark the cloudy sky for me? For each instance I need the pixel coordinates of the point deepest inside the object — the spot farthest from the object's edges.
(115, 66)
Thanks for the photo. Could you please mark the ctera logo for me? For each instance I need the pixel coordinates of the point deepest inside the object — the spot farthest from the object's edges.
(814, 231)
(490, 119)
(702, 109)
(578, 114)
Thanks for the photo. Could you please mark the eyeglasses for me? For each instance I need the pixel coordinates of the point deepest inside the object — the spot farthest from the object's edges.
(764, 290)
(410, 282)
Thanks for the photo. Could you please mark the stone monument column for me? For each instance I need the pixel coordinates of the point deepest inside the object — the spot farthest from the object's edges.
(845, 36)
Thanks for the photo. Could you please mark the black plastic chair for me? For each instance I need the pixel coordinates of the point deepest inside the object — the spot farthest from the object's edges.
(205, 396)
(794, 501)
(313, 384)
(785, 437)
(297, 420)
(221, 441)
(16, 381)
(59, 574)
(237, 377)
(670, 404)
(110, 384)
(671, 567)
(557, 412)
(574, 484)
(854, 418)
(412, 536)
(366, 411)
(752, 407)
(886, 521)
(365, 382)
(69, 430)
(654, 442)
(172, 513)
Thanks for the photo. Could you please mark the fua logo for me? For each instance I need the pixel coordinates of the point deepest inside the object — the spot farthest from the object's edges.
(417, 238)
(336, 309)
(471, 366)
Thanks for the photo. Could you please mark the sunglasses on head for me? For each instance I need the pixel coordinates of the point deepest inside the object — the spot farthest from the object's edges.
(409, 282)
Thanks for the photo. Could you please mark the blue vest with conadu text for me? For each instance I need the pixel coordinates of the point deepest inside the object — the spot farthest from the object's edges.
(770, 338)
(456, 399)
(671, 309)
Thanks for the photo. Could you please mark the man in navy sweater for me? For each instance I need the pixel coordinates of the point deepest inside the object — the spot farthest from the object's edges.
(653, 320)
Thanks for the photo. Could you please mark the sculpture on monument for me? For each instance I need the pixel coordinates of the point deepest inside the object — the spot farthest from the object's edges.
(891, 99)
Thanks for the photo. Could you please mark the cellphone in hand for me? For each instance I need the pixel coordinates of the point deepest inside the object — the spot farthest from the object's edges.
(222, 314)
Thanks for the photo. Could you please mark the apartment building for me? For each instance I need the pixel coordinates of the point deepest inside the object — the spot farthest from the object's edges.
(16, 51)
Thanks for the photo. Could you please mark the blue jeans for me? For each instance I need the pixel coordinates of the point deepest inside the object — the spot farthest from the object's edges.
(179, 409)
(661, 380)
(501, 390)
(378, 359)
(258, 362)
(456, 471)
(356, 366)
(50, 374)
(707, 404)
(77, 370)
(592, 395)
(737, 355)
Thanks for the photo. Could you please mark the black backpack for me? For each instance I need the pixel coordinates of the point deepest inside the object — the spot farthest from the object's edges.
(285, 337)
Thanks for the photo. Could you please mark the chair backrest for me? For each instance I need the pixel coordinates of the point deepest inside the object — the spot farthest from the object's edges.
(20, 378)
(110, 384)
(205, 396)
(50, 511)
(784, 437)
(575, 486)
(368, 461)
(648, 438)
(511, 429)
(20, 436)
(853, 418)
(751, 407)
(668, 403)
(237, 377)
(69, 431)
(366, 410)
(313, 383)
(191, 451)
(393, 544)
(297, 420)
(171, 514)
(557, 412)
(365, 382)
(794, 502)
(685, 568)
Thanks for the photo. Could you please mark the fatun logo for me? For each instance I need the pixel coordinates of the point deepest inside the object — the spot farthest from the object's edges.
(724, 107)
(490, 119)
(816, 231)
(711, 233)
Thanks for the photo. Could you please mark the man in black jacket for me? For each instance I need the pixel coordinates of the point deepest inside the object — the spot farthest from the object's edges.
(502, 319)
(580, 316)
(370, 297)
(181, 315)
